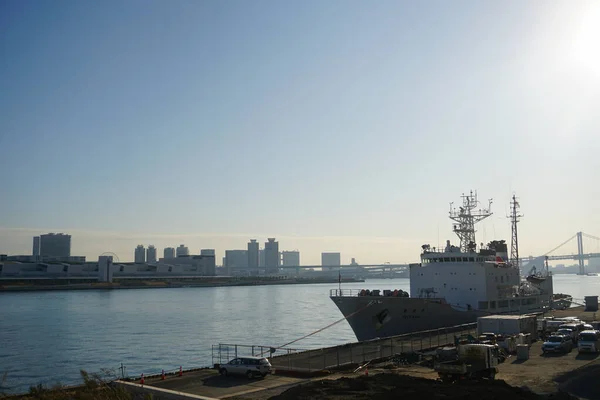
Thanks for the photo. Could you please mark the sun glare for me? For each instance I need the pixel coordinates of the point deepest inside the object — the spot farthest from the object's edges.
(586, 41)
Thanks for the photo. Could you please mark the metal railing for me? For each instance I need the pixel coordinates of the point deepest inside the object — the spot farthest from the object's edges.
(223, 352)
(346, 354)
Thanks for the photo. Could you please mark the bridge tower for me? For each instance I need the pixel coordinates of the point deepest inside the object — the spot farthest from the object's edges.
(514, 243)
(580, 253)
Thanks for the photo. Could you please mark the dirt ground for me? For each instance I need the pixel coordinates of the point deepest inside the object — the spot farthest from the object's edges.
(384, 386)
(550, 376)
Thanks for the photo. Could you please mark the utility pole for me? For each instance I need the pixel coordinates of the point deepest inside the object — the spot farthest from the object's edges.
(514, 244)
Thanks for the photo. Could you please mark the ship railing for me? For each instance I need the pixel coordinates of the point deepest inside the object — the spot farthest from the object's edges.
(344, 292)
(363, 293)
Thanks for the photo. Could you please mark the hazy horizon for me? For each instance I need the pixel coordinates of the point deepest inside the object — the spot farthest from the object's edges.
(339, 126)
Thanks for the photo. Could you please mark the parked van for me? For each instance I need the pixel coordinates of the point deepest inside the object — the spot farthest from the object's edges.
(589, 341)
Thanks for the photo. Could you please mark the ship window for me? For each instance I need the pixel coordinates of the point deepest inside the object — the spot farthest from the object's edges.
(422, 310)
(496, 278)
(414, 310)
(405, 310)
(492, 304)
(503, 304)
(453, 259)
(514, 303)
(470, 288)
(483, 305)
(444, 285)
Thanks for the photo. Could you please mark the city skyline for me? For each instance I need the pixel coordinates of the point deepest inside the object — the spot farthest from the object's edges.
(382, 249)
(339, 126)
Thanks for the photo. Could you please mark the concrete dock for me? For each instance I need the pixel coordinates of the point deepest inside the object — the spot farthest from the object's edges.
(540, 373)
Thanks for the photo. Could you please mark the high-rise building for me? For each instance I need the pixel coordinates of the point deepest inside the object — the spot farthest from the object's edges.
(55, 245)
(36, 246)
(169, 252)
(139, 255)
(330, 259)
(207, 252)
(271, 256)
(236, 259)
(151, 254)
(261, 258)
(182, 251)
(253, 256)
(291, 258)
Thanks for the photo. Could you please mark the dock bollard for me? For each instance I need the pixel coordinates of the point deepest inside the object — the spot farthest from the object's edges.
(180, 371)
(142, 379)
(162, 376)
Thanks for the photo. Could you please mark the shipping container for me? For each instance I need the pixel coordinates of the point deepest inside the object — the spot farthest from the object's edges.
(508, 325)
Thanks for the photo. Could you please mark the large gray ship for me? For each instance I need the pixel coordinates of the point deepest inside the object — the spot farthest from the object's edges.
(451, 286)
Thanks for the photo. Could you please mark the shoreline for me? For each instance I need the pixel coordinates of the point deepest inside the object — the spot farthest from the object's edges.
(166, 284)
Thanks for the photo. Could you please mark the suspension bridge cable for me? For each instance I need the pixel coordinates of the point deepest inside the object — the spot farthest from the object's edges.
(590, 236)
(561, 245)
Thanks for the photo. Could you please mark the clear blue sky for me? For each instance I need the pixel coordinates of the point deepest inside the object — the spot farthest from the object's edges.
(339, 125)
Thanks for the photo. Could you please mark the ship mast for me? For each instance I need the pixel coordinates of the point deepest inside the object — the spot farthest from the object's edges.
(514, 219)
(466, 217)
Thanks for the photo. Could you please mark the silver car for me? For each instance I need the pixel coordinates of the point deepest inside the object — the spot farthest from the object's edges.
(249, 366)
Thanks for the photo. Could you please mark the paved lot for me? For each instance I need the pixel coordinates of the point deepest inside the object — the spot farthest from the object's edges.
(540, 373)
(209, 383)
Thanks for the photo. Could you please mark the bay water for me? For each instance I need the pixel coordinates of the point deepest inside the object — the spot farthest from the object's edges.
(47, 337)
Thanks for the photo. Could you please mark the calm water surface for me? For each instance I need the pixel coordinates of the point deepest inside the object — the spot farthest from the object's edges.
(47, 337)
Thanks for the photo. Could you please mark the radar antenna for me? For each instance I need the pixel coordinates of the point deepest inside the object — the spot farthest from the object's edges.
(466, 217)
(514, 219)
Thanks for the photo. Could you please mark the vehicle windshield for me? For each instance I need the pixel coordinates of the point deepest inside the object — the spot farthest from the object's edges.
(587, 337)
(570, 328)
(565, 331)
(555, 339)
(264, 361)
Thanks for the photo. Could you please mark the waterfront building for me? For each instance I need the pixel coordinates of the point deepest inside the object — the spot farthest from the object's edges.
(169, 252)
(330, 259)
(151, 254)
(272, 260)
(139, 255)
(253, 254)
(207, 252)
(290, 258)
(55, 245)
(190, 265)
(33, 259)
(236, 259)
(36, 247)
(182, 251)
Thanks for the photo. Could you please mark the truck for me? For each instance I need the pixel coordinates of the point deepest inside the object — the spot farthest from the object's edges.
(475, 361)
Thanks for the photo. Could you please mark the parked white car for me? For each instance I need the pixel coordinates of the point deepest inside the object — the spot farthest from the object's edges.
(249, 366)
(589, 341)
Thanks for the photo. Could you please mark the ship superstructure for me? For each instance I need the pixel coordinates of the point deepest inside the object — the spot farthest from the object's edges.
(450, 286)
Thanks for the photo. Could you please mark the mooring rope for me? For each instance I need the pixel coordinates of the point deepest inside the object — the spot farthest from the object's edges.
(326, 327)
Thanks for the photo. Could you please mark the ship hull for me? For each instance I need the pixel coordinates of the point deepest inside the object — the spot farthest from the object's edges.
(372, 317)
